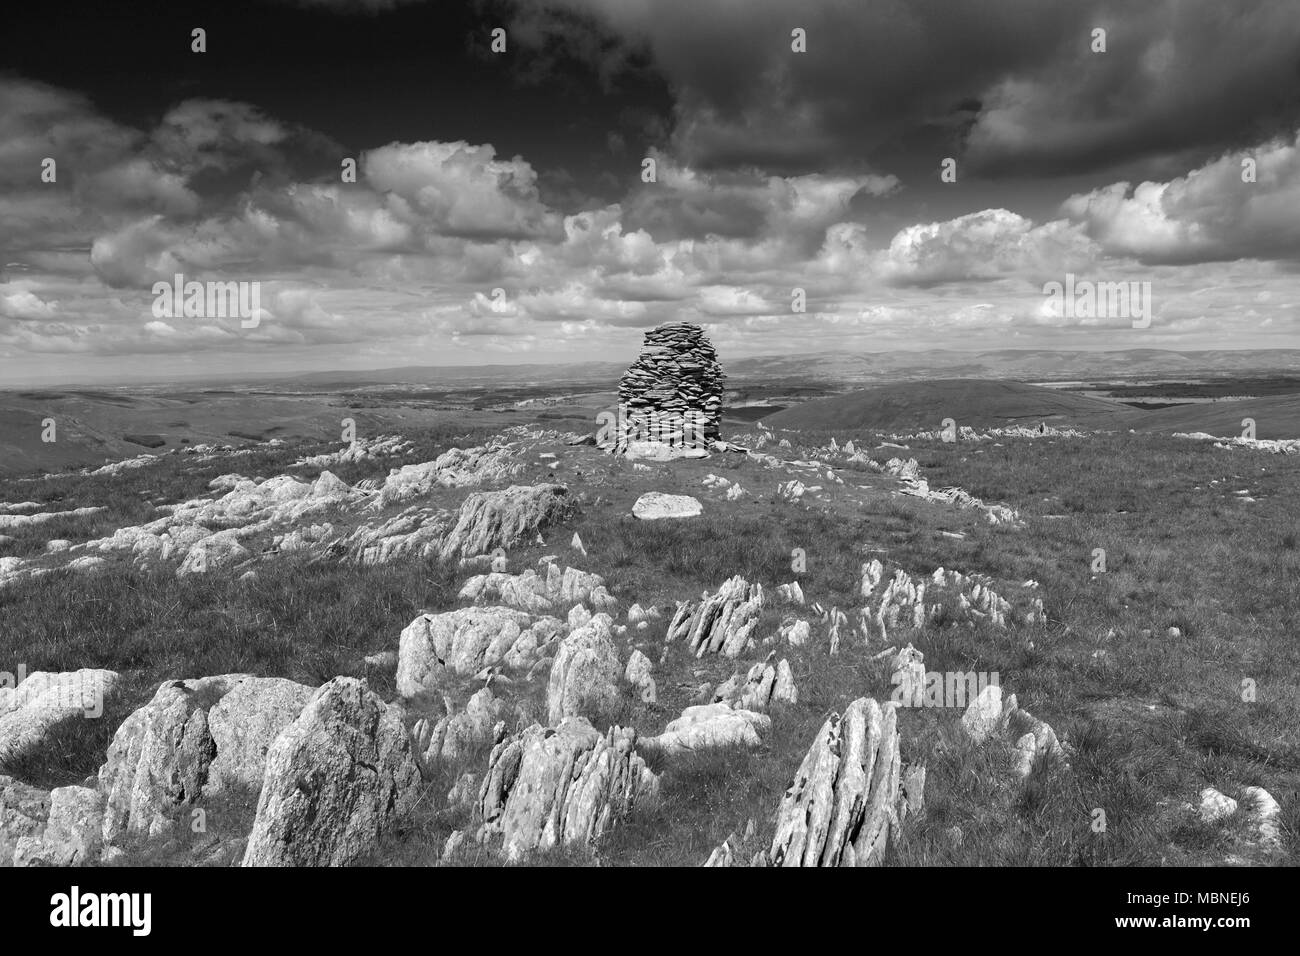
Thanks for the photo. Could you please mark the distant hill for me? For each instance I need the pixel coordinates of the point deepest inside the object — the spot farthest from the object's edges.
(975, 402)
(1025, 364)
(1277, 416)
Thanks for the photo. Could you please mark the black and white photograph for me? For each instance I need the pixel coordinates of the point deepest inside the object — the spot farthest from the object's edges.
(504, 434)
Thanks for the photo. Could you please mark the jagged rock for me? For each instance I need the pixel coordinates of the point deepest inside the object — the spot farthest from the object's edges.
(764, 685)
(455, 468)
(464, 791)
(44, 702)
(984, 716)
(708, 726)
(540, 593)
(790, 593)
(244, 723)
(73, 835)
(465, 641)
(545, 788)
(723, 622)
(24, 811)
(638, 674)
(455, 840)
(159, 759)
(639, 616)
(456, 734)
(845, 804)
(794, 632)
(722, 855)
(498, 519)
(989, 716)
(654, 505)
(414, 534)
(336, 780)
(220, 550)
(584, 676)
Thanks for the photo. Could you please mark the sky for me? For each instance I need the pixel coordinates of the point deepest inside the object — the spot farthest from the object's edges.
(502, 210)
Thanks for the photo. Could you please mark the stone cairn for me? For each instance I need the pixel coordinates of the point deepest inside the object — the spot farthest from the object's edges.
(673, 391)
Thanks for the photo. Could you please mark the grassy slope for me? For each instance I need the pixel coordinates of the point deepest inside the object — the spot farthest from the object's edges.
(1152, 719)
(916, 405)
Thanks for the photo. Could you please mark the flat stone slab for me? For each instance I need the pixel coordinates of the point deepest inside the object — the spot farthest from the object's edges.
(654, 505)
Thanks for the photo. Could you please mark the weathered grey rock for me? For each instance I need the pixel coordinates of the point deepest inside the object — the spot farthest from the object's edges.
(44, 702)
(243, 725)
(159, 759)
(584, 676)
(654, 505)
(723, 622)
(984, 715)
(336, 780)
(765, 684)
(73, 835)
(845, 804)
(661, 451)
(790, 593)
(638, 673)
(24, 811)
(465, 641)
(497, 519)
(464, 791)
(562, 787)
(455, 735)
(455, 840)
(710, 726)
(1215, 805)
(1265, 817)
(989, 716)
(550, 591)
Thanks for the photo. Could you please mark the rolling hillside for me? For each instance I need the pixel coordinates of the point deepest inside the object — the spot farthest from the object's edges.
(974, 402)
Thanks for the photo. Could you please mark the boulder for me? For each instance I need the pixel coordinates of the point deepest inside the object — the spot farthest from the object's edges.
(465, 641)
(244, 723)
(550, 591)
(456, 734)
(764, 684)
(723, 622)
(44, 702)
(710, 726)
(845, 803)
(564, 786)
(584, 676)
(638, 674)
(498, 519)
(24, 811)
(158, 761)
(654, 505)
(73, 835)
(336, 781)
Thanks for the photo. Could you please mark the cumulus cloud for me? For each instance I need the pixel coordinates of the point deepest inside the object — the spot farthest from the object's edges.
(461, 190)
(404, 262)
(987, 244)
(1211, 213)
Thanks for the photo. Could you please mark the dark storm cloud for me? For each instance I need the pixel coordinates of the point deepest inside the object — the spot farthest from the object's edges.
(1179, 77)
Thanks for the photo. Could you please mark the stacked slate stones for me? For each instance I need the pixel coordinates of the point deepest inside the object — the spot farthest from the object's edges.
(677, 375)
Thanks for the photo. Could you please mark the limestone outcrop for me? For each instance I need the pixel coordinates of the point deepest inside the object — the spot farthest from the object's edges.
(561, 787)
